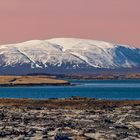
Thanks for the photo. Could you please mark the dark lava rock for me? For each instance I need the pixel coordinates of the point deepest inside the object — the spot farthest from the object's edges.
(109, 108)
(107, 120)
(2, 116)
(45, 132)
(45, 137)
(89, 130)
(123, 135)
(29, 133)
(121, 127)
(62, 137)
(69, 124)
(4, 134)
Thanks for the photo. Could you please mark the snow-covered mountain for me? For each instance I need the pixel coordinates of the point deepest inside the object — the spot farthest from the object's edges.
(64, 55)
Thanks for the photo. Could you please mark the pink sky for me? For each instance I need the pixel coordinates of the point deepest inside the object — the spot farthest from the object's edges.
(110, 20)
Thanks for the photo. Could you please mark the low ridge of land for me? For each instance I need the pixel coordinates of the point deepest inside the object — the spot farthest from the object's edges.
(103, 76)
(30, 81)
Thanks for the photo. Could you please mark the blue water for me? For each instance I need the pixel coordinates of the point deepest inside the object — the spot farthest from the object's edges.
(103, 89)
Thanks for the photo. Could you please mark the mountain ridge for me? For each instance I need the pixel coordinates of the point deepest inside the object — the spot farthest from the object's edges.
(67, 54)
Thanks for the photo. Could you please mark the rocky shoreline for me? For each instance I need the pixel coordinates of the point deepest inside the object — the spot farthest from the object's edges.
(69, 119)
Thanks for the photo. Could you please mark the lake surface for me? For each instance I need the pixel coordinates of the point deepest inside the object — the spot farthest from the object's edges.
(103, 89)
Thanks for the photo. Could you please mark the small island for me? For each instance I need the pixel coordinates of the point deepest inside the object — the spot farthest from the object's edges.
(11, 81)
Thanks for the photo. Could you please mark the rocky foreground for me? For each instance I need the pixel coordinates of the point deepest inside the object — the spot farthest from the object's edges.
(69, 119)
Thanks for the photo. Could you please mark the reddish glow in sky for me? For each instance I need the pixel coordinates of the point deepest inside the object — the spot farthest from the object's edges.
(110, 20)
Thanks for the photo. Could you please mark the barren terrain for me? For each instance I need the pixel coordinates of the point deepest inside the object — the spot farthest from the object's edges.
(69, 119)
